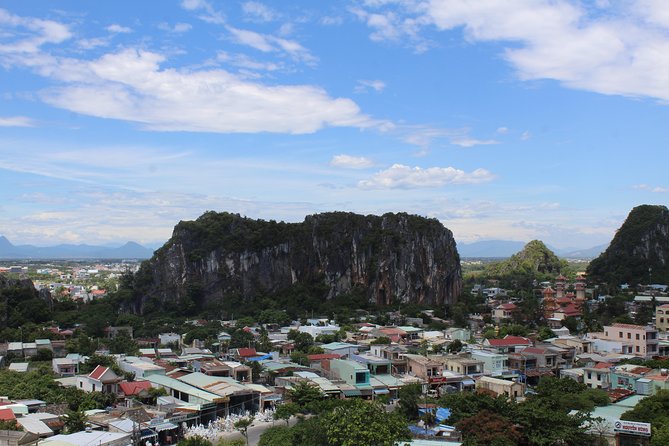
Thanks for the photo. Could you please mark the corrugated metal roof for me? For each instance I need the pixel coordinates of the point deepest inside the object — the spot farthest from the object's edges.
(175, 384)
(34, 426)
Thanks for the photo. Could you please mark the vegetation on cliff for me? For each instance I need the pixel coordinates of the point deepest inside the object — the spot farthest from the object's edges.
(639, 252)
(223, 260)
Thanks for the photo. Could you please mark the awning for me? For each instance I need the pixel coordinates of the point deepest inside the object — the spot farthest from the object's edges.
(147, 433)
(167, 426)
(468, 382)
(381, 391)
(352, 392)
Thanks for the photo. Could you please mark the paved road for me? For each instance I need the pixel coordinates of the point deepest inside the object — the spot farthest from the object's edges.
(256, 430)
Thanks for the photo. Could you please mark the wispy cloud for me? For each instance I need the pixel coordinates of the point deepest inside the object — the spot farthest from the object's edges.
(259, 12)
(655, 189)
(351, 162)
(365, 85)
(16, 121)
(399, 176)
(269, 43)
(471, 142)
(118, 29)
(208, 13)
(177, 28)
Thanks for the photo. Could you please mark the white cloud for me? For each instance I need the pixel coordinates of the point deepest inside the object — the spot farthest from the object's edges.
(177, 28)
(268, 43)
(16, 121)
(654, 189)
(351, 162)
(364, 85)
(525, 135)
(44, 32)
(210, 14)
(130, 85)
(471, 142)
(258, 12)
(399, 176)
(502, 130)
(116, 29)
(622, 50)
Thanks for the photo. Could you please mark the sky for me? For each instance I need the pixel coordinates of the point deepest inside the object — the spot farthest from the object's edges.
(504, 119)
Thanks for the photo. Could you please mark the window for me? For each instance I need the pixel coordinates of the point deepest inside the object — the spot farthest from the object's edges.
(637, 349)
(589, 375)
(637, 336)
(629, 335)
(620, 334)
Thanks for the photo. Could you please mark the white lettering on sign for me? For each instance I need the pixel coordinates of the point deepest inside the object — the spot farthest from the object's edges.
(632, 427)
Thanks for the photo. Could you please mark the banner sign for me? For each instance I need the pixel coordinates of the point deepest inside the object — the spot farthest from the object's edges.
(632, 427)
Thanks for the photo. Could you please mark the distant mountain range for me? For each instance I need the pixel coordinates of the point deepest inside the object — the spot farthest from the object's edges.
(130, 250)
(506, 248)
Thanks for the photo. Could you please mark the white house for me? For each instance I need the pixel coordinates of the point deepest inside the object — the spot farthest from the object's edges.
(101, 379)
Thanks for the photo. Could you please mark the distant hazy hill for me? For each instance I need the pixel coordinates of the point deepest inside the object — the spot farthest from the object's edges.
(534, 258)
(130, 250)
(490, 248)
(639, 252)
(589, 253)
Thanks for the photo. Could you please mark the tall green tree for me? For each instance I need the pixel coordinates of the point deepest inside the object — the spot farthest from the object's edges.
(361, 423)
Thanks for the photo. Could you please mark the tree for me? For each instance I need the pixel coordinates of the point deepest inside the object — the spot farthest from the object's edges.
(381, 340)
(194, 441)
(488, 428)
(303, 394)
(243, 427)
(10, 425)
(302, 341)
(285, 411)
(277, 436)
(300, 358)
(455, 346)
(74, 421)
(410, 396)
(360, 423)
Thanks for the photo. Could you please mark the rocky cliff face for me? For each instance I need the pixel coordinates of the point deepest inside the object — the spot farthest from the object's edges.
(639, 252)
(394, 257)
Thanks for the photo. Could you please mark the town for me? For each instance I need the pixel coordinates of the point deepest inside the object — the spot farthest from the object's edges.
(218, 379)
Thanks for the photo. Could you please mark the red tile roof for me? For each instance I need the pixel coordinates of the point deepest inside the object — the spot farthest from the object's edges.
(509, 341)
(247, 352)
(534, 351)
(134, 387)
(7, 414)
(602, 365)
(509, 306)
(322, 356)
(629, 326)
(98, 372)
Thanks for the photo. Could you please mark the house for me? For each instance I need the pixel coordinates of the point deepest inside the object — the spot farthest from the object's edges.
(637, 340)
(460, 334)
(170, 338)
(462, 364)
(101, 379)
(662, 318)
(394, 353)
(508, 344)
(494, 363)
(498, 387)
(20, 367)
(355, 375)
(141, 368)
(138, 389)
(65, 366)
(597, 376)
(233, 369)
(341, 348)
(89, 438)
(504, 311)
(112, 332)
(423, 368)
(241, 354)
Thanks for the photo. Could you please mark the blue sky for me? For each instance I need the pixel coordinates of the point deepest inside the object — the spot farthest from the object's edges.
(504, 119)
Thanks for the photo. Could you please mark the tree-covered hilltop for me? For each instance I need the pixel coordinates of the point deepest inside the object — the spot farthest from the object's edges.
(534, 261)
(639, 252)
